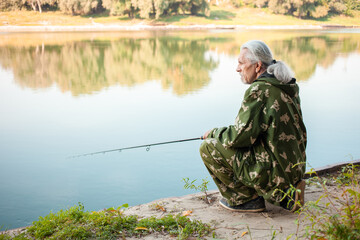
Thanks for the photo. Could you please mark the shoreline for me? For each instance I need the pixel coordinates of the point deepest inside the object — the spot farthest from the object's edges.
(207, 212)
(145, 27)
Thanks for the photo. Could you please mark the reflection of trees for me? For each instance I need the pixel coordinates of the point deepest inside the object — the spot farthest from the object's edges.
(84, 66)
(301, 52)
(178, 61)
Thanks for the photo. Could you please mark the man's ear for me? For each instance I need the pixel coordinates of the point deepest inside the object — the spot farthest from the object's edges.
(258, 66)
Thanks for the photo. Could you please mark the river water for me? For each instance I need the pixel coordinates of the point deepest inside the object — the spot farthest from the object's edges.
(64, 94)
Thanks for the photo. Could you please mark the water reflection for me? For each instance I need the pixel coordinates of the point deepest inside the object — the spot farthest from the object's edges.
(179, 62)
(84, 67)
(305, 53)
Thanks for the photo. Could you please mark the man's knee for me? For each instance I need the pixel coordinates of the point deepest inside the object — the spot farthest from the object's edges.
(204, 147)
(208, 146)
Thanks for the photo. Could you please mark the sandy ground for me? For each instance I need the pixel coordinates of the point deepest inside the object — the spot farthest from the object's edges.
(227, 224)
(274, 223)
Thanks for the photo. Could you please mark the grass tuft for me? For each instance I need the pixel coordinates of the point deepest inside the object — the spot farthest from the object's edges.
(75, 223)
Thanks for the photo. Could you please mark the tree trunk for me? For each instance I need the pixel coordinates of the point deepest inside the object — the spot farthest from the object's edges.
(39, 5)
(33, 6)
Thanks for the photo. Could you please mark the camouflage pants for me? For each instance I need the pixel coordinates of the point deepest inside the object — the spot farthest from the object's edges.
(249, 180)
(219, 162)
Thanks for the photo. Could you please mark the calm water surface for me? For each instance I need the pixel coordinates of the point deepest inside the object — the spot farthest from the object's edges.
(67, 94)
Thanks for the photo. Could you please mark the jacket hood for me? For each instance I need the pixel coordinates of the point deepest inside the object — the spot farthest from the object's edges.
(291, 88)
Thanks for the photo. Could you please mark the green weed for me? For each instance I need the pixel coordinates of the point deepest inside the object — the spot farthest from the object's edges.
(180, 226)
(203, 187)
(111, 223)
(336, 213)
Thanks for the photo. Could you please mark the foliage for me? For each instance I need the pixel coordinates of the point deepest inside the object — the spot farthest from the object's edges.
(37, 5)
(8, 5)
(120, 7)
(336, 6)
(226, 3)
(351, 5)
(81, 7)
(199, 6)
(158, 8)
(203, 187)
(336, 214)
(308, 8)
(111, 223)
(280, 6)
(155, 8)
(177, 225)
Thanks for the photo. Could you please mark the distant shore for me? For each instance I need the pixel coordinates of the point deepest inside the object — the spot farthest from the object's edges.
(144, 27)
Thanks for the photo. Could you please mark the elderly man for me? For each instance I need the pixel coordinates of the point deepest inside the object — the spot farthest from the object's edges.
(262, 156)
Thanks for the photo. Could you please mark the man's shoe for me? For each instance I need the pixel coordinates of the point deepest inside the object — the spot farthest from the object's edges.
(296, 201)
(255, 205)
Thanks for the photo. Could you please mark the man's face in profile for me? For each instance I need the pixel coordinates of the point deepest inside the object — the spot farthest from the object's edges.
(246, 68)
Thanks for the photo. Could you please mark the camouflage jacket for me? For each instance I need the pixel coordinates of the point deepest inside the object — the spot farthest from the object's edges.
(269, 135)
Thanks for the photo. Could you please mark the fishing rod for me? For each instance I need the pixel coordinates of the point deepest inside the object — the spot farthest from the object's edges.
(139, 146)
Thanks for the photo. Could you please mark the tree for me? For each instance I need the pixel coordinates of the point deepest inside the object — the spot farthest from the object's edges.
(146, 7)
(6, 5)
(261, 3)
(199, 6)
(300, 8)
(81, 7)
(161, 6)
(336, 6)
(175, 5)
(120, 7)
(351, 5)
(280, 6)
(35, 4)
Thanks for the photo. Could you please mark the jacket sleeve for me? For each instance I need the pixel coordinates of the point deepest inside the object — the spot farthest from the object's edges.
(248, 123)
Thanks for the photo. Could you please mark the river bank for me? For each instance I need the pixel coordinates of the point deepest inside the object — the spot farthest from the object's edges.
(170, 27)
(228, 225)
(274, 222)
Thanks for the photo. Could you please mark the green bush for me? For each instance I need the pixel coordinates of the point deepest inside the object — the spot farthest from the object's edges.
(335, 215)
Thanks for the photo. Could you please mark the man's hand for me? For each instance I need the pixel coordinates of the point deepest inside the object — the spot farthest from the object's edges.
(206, 134)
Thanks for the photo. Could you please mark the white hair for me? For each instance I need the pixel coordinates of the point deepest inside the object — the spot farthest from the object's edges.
(259, 51)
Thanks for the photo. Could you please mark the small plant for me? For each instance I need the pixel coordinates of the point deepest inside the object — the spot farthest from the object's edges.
(158, 206)
(203, 187)
(336, 214)
(4, 236)
(175, 225)
(111, 223)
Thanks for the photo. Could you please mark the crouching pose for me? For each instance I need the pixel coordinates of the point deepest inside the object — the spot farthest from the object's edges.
(262, 156)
